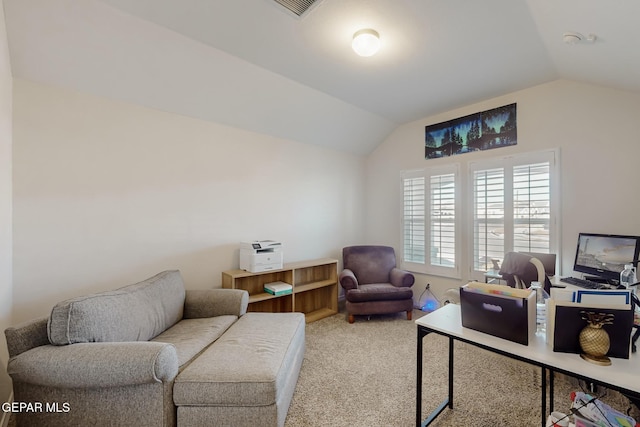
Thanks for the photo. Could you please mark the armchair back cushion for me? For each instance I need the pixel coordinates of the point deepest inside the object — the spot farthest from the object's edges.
(370, 264)
(136, 312)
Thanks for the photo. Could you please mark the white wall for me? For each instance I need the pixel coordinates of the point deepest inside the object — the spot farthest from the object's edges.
(108, 193)
(596, 130)
(6, 286)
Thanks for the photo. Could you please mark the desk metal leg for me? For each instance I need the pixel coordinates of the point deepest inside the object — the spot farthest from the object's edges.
(543, 416)
(551, 390)
(419, 378)
(544, 394)
(448, 401)
(450, 373)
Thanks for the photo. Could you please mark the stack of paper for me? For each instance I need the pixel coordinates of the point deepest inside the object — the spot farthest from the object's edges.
(278, 288)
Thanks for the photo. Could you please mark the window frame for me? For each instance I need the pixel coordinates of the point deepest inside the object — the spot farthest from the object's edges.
(427, 267)
(508, 163)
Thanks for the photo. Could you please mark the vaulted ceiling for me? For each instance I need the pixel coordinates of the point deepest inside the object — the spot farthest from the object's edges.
(254, 65)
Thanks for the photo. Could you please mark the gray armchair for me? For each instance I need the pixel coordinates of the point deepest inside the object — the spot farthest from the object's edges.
(373, 284)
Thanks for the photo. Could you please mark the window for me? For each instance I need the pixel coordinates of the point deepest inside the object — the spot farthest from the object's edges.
(488, 221)
(413, 226)
(429, 221)
(513, 207)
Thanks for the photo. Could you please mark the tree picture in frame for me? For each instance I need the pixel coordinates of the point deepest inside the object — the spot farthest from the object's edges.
(485, 130)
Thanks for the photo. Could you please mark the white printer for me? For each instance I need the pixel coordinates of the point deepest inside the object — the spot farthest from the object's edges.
(261, 255)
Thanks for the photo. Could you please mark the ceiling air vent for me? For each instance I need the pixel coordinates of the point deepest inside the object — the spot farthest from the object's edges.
(298, 7)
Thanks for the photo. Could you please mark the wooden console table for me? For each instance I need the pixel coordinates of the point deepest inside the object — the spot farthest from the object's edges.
(315, 288)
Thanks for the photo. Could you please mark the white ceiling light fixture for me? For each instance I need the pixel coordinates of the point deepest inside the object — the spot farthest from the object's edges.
(366, 42)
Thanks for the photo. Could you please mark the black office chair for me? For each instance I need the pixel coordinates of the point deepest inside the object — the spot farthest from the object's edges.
(520, 269)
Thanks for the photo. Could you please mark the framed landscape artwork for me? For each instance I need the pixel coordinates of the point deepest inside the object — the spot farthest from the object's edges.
(489, 129)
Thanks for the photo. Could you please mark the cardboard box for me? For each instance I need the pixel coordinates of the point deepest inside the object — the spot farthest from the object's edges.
(500, 311)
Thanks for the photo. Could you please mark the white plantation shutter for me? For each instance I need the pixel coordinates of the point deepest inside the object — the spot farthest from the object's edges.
(513, 207)
(442, 221)
(414, 236)
(429, 221)
(531, 208)
(489, 214)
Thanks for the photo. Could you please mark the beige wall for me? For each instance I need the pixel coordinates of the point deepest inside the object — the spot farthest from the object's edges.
(6, 286)
(107, 193)
(596, 131)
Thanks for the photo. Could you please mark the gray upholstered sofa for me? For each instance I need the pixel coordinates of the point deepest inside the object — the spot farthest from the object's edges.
(153, 354)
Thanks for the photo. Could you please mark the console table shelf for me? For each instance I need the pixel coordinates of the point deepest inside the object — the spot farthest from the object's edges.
(315, 285)
(315, 288)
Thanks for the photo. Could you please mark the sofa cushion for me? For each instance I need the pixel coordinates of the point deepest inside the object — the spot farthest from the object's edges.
(191, 336)
(248, 366)
(136, 312)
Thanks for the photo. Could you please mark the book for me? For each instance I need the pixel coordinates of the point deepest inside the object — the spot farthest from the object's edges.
(278, 288)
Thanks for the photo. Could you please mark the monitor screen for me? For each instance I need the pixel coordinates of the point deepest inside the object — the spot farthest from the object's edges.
(604, 255)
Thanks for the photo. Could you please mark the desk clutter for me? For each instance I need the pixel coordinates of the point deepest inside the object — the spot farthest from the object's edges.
(595, 323)
(589, 411)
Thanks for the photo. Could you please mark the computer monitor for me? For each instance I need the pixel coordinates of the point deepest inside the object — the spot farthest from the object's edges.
(605, 255)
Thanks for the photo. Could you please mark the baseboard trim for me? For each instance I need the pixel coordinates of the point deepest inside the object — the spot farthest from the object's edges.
(4, 421)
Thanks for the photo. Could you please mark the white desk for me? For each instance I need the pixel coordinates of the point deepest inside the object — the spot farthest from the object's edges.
(622, 375)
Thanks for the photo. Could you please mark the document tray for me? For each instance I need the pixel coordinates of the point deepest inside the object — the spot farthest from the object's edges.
(569, 322)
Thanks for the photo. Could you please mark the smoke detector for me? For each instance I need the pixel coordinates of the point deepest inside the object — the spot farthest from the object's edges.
(573, 38)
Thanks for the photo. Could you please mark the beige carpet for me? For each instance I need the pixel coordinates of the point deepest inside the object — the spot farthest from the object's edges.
(364, 374)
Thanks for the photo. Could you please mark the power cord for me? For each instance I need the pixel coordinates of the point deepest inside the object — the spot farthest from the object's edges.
(425, 290)
(420, 302)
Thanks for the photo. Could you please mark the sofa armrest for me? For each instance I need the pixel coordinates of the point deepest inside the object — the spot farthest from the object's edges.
(348, 280)
(401, 278)
(215, 302)
(26, 336)
(91, 365)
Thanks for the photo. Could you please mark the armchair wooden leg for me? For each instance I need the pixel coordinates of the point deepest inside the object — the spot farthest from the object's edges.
(409, 314)
(351, 318)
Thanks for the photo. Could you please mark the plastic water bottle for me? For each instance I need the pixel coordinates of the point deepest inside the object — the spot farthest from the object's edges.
(541, 307)
(628, 276)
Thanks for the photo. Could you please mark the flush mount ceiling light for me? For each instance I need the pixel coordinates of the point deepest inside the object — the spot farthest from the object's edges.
(573, 38)
(366, 42)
